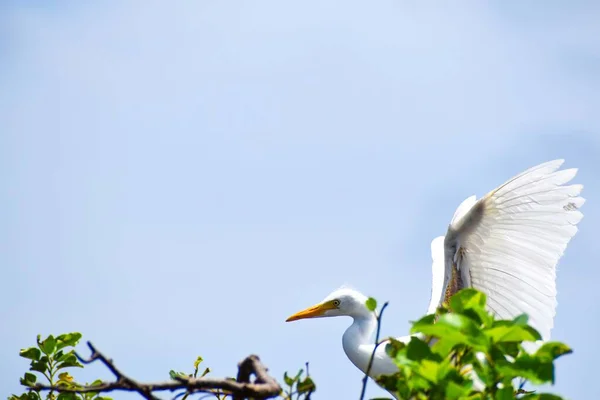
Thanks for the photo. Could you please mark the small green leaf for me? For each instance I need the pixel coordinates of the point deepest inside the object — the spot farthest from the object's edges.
(28, 379)
(65, 376)
(67, 339)
(307, 385)
(528, 367)
(177, 375)
(429, 370)
(288, 381)
(371, 304)
(425, 321)
(521, 320)
(541, 396)
(31, 353)
(393, 346)
(467, 298)
(550, 351)
(455, 391)
(206, 372)
(298, 375)
(418, 350)
(198, 361)
(454, 327)
(512, 333)
(70, 360)
(40, 366)
(48, 346)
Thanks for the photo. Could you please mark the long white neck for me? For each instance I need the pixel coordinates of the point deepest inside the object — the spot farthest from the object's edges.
(358, 340)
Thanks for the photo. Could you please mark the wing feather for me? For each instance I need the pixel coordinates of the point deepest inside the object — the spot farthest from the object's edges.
(508, 243)
(437, 273)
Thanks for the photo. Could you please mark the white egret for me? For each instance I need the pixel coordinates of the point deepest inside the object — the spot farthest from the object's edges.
(506, 244)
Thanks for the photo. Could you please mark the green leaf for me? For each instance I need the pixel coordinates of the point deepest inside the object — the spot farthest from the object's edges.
(429, 370)
(60, 356)
(506, 393)
(288, 381)
(28, 379)
(65, 376)
(70, 360)
(371, 304)
(528, 367)
(426, 320)
(177, 375)
(298, 375)
(307, 385)
(40, 366)
(541, 396)
(521, 320)
(393, 346)
(467, 298)
(67, 339)
(455, 391)
(512, 333)
(418, 350)
(550, 351)
(206, 372)
(48, 346)
(471, 303)
(31, 353)
(454, 327)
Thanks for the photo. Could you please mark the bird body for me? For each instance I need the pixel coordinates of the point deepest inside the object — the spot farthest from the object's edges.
(506, 244)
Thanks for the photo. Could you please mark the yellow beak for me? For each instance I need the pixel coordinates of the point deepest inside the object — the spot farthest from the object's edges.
(314, 311)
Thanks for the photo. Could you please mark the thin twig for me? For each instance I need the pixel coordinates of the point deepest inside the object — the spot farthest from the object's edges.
(263, 387)
(377, 343)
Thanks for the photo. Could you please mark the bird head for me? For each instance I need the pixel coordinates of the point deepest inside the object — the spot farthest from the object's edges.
(341, 302)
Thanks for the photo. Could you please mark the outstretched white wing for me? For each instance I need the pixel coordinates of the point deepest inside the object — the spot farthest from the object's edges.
(507, 244)
(437, 272)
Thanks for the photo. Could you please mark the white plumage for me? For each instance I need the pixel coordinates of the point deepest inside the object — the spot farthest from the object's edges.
(506, 244)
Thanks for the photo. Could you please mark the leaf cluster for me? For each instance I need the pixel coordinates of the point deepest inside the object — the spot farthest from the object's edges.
(298, 386)
(51, 358)
(463, 352)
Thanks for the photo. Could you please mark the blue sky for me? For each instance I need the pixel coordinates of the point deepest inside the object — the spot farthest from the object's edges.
(179, 178)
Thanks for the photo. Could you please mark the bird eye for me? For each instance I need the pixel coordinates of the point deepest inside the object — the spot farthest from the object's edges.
(336, 303)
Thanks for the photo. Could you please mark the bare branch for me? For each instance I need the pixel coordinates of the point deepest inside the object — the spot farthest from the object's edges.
(377, 343)
(263, 387)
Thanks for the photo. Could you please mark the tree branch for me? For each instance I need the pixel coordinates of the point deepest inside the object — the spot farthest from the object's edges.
(263, 387)
(377, 343)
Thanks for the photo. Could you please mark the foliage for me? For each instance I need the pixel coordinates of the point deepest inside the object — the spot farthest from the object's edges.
(53, 355)
(462, 352)
(51, 358)
(459, 353)
(297, 386)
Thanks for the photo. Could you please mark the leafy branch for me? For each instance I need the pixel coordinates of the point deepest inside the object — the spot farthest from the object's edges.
(463, 352)
(459, 353)
(49, 357)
